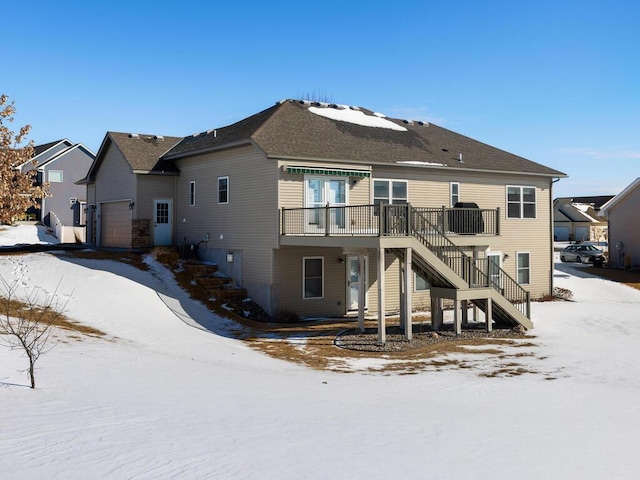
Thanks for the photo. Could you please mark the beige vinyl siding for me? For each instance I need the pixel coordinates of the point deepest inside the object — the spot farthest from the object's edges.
(288, 281)
(624, 227)
(288, 278)
(247, 225)
(430, 188)
(114, 179)
(292, 186)
(152, 187)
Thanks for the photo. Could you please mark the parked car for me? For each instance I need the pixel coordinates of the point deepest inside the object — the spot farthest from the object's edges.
(582, 253)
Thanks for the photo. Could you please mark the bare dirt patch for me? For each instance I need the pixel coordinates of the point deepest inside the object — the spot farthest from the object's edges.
(630, 278)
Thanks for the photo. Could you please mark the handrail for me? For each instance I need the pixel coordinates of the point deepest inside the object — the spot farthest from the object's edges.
(492, 275)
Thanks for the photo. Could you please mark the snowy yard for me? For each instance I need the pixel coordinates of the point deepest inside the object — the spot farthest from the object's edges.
(168, 392)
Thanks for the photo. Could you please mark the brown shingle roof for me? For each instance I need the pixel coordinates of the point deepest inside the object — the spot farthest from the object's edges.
(290, 130)
(143, 151)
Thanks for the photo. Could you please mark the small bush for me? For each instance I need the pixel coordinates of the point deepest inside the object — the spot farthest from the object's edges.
(562, 293)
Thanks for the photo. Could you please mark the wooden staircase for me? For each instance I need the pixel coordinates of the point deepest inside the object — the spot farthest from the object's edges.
(445, 266)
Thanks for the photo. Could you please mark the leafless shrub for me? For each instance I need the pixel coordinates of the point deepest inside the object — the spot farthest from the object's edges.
(27, 325)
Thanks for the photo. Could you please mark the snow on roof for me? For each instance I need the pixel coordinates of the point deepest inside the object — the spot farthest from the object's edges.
(416, 162)
(356, 116)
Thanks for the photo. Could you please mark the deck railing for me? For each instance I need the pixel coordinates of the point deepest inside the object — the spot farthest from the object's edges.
(366, 220)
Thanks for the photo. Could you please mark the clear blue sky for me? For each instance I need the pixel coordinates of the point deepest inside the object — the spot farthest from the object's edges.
(557, 82)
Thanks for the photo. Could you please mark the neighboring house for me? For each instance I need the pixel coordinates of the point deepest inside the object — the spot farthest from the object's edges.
(61, 164)
(130, 192)
(576, 219)
(622, 217)
(328, 210)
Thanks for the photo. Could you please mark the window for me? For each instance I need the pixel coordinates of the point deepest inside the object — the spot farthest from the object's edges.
(419, 283)
(454, 190)
(524, 269)
(312, 277)
(521, 202)
(223, 189)
(390, 191)
(192, 193)
(55, 176)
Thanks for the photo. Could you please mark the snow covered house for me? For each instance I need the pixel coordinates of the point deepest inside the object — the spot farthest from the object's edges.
(330, 210)
(622, 217)
(577, 219)
(61, 163)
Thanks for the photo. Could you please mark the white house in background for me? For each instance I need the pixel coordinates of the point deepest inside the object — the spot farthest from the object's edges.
(576, 219)
(623, 220)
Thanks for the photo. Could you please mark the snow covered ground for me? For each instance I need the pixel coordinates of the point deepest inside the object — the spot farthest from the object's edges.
(158, 398)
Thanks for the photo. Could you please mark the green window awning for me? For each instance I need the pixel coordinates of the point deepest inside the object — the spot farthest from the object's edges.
(329, 171)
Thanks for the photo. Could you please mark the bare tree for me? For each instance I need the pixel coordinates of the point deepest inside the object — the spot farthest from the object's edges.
(27, 325)
(18, 189)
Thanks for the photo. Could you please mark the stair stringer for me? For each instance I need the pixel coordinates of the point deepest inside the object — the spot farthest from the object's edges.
(425, 261)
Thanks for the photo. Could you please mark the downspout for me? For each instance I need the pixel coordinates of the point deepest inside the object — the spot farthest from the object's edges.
(552, 256)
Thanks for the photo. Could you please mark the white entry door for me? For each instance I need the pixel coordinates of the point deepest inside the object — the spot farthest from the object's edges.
(353, 283)
(162, 221)
(494, 263)
(321, 191)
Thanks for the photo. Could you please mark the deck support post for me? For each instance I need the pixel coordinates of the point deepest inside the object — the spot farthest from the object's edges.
(436, 313)
(362, 281)
(465, 313)
(489, 314)
(457, 327)
(408, 326)
(382, 328)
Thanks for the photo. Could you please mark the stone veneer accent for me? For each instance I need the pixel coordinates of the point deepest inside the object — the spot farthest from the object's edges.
(140, 233)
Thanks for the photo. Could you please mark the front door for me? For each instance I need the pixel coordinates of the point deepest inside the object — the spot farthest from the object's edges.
(162, 221)
(353, 281)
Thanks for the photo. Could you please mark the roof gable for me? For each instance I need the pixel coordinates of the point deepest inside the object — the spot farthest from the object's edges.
(142, 152)
(294, 130)
(604, 211)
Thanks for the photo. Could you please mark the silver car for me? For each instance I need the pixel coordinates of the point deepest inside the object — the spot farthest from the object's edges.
(582, 254)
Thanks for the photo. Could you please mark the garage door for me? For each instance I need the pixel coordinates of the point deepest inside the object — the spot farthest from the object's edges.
(115, 225)
(561, 234)
(582, 234)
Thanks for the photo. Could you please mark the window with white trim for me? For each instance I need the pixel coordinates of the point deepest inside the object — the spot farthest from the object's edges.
(393, 192)
(223, 189)
(312, 277)
(192, 193)
(454, 190)
(55, 176)
(524, 268)
(521, 202)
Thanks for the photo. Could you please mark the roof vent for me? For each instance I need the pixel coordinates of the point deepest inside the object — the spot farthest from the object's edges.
(134, 135)
(408, 122)
(195, 134)
(355, 108)
(421, 123)
(158, 137)
(460, 159)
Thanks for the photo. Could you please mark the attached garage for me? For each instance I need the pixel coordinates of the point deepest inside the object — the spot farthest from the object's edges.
(115, 224)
